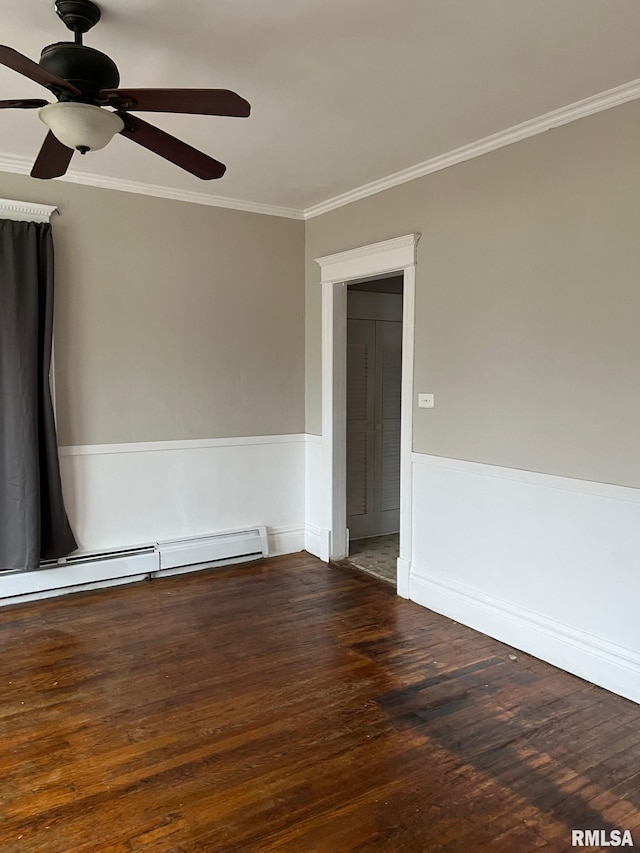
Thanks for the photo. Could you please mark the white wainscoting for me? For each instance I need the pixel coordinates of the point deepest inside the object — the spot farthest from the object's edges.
(316, 540)
(123, 495)
(547, 564)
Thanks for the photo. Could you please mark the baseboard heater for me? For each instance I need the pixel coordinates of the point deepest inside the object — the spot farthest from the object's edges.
(79, 572)
(89, 570)
(234, 546)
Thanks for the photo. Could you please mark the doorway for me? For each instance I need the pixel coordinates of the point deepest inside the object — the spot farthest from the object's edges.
(374, 394)
(395, 256)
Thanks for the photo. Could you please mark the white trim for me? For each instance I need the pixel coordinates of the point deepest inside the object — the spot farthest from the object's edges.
(312, 438)
(539, 561)
(403, 566)
(186, 444)
(312, 539)
(396, 255)
(375, 259)
(120, 495)
(334, 397)
(285, 540)
(22, 166)
(314, 503)
(556, 118)
(533, 478)
(403, 577)
(25, 211)
(595, 659)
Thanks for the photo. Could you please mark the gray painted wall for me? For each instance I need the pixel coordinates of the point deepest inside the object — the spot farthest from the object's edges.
(173, 320)
(527, 303)
(179, 321)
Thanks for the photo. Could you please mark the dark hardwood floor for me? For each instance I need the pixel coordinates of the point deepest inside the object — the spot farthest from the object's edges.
(292, 706)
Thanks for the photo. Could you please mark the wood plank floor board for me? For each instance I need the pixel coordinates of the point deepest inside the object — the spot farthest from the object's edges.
(287, 705)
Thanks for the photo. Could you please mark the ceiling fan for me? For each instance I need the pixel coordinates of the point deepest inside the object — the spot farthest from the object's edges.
(90, 108)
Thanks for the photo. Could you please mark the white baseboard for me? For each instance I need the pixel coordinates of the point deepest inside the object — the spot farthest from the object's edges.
(313, 540)
(603, 663)
(403, 574)
(286, 540)
(548, 564)
(315, 537)
(325, 545)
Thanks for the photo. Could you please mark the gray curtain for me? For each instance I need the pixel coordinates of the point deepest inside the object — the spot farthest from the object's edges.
(33, 521)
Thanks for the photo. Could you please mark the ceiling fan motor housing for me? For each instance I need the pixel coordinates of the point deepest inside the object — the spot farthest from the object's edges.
(85, 67)
(78, 15)
(84, 81)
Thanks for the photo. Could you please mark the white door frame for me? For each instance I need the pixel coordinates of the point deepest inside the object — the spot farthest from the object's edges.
(390, 256)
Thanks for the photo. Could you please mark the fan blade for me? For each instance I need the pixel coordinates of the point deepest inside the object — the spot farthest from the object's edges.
(172, 149)
(207, 102)
(24, 104)
(28, 68)
(53, 159)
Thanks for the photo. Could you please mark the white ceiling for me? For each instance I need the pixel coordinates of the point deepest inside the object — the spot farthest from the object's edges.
(344, 92)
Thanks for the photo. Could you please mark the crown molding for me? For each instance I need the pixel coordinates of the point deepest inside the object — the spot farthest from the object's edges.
(565, 115)
(25, 211)
(556, 118)
(22, 166)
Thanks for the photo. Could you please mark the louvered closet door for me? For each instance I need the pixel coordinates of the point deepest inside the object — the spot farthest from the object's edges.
(374, 373)
(361, 365)
(387, 417)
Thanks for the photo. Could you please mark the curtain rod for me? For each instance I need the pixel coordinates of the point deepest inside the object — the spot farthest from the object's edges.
(25, 211)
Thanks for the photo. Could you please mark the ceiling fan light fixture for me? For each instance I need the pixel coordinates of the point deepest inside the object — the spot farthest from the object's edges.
(79, 126)
(82, 78)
